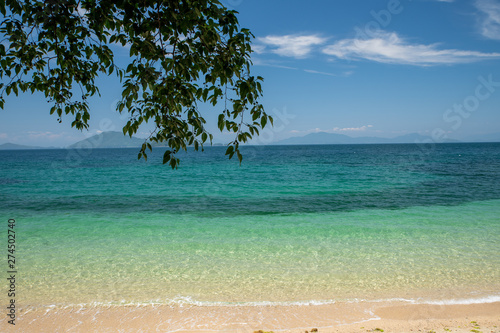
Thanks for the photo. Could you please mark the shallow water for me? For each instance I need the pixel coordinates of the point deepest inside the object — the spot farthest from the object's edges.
(293, 224)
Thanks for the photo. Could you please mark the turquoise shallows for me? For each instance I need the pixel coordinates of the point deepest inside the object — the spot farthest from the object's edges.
(291, 224)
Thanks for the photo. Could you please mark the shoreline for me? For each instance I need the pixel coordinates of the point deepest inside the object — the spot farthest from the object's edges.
(363, 316)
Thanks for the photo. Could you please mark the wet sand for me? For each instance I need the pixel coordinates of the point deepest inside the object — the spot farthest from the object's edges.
(395, 316)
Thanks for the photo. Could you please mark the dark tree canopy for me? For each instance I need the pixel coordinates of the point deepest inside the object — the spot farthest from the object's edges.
(182, 53)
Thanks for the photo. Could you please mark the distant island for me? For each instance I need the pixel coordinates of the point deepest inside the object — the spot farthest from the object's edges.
(108, 140)
(333, 138)
(13, 146)
(101, 140)
(113, 140)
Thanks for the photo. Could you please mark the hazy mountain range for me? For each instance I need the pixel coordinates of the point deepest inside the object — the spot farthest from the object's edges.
(13, 146)
(108, 140)
(333, 138)
(118, 140)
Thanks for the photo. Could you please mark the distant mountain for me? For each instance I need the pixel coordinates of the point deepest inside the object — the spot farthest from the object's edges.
(115, 140)
(13, 146)
(108, 140)
(317, 138)
(322, 138)
(491, 137)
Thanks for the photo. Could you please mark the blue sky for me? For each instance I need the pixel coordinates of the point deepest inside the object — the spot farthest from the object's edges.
(361, 68)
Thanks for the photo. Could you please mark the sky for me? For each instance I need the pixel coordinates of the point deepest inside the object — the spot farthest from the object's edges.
(357, 67)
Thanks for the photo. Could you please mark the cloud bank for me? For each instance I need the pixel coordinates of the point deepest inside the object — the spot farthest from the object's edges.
(352, 129)
(296, 46)
(388, 47)
(489, 18)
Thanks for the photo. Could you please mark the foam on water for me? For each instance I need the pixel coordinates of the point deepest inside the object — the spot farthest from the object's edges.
(466, 301)
(189, 301)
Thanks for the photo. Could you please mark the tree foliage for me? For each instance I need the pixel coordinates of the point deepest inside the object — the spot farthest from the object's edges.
(183, 53)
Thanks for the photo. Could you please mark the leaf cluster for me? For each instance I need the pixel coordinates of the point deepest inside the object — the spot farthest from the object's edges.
(183, 53)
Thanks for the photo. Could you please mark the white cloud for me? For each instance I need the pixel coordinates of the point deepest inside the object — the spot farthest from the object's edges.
(34, 135)
(295, 46)
(270, 63)
(334, 130)
(352, 129)
(3, 136)
(489, 18)
(388, 47)
(258, 48)
(318, 72)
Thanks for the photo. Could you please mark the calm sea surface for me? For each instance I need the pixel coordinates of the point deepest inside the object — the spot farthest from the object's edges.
(291, 224)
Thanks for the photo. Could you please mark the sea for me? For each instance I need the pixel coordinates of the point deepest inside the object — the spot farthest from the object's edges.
(291, 225)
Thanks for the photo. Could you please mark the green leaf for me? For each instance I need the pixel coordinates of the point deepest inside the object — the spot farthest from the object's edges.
(221, 122)
(181, 53)
(2, 7)
(166, 156)
(240, 157)
(174, 163)
(263, 121)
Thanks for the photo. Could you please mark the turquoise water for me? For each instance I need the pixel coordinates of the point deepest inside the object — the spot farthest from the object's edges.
(292, 224)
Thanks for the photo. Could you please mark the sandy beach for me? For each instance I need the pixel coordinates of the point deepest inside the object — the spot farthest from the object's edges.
(393, 316)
